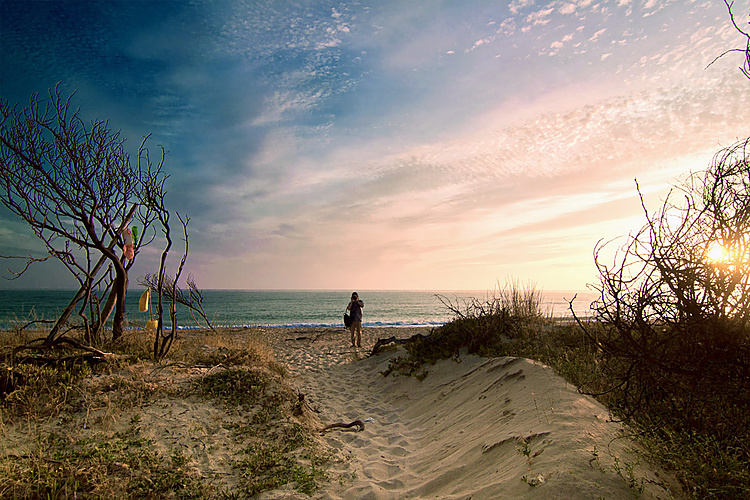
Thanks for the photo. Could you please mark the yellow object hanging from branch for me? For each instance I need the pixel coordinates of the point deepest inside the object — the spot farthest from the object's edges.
(145, 300)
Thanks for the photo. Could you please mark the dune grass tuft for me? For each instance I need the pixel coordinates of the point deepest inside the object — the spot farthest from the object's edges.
(66, 434)
(709, 461)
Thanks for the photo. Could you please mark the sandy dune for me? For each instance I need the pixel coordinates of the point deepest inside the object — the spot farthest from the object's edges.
(473, 428)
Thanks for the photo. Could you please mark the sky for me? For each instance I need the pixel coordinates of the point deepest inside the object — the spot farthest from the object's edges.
(423, 145)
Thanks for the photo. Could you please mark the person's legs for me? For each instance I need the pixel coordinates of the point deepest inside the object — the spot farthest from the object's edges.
(359, 334)
(352, 329)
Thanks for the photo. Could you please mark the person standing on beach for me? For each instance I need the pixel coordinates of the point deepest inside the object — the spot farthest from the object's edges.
(355, 307)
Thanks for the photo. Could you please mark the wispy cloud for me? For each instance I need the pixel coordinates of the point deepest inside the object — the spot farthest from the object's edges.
(447, 144)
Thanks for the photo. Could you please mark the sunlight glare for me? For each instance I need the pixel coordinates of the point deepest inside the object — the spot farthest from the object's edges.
(717, 252)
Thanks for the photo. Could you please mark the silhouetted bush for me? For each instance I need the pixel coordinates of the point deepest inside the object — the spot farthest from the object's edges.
(674, 308)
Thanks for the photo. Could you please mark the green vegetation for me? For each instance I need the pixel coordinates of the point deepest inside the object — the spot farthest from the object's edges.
(512, 322)
(709, 461)
(72, 429)
(277, 450)
(100, 467)
(270, 465)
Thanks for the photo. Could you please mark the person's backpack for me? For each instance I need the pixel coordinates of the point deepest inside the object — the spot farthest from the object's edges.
(347, 320)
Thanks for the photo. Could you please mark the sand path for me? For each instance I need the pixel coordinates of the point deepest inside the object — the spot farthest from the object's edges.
(473, 428)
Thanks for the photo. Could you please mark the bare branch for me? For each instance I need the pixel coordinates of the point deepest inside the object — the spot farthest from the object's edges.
(745, 68)
(29, 261)
(676, 320)
(76, 188)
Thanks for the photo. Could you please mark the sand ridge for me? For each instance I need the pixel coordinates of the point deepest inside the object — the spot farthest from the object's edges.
(473, 428)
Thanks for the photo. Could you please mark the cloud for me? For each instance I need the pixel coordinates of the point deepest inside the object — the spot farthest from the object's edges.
(539, 18)
(438, 136)
(519, 182)
(596, 35)
(517, 5)
(567, 8)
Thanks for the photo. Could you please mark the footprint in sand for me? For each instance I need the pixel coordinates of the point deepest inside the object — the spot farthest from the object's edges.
(456, 433)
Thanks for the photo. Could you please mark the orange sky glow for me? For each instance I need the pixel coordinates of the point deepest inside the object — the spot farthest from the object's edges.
(404, 145)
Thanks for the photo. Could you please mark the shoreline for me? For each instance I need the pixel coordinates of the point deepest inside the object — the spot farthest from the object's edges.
(235, 309)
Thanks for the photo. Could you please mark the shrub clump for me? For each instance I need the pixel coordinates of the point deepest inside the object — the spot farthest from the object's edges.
(675, 339)
(512, 314)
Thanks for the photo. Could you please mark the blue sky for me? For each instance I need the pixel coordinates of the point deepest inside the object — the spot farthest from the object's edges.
(392, 144)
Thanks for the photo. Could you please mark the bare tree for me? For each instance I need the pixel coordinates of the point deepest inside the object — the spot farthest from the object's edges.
(192, 297)
(675, 300)
(76, 188)
(167, 287)
(745, 68)
(673, 316)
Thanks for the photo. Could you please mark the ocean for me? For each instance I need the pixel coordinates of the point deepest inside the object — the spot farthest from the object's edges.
(288, 307)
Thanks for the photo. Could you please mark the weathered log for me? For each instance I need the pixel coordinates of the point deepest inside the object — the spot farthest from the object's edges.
(393, 340)
(39, 352)
(340, 425)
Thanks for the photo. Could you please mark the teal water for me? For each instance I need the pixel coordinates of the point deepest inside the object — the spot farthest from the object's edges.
(285, 307)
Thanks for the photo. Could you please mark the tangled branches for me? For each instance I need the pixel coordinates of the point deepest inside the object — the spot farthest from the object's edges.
(676, 311)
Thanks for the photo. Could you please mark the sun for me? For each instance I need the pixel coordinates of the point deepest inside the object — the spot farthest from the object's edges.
(717, 252)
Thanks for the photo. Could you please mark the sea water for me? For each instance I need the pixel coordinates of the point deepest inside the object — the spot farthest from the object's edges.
(290, 307)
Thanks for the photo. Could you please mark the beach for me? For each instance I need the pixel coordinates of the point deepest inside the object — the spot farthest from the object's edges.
(472, 428)
(467, 427)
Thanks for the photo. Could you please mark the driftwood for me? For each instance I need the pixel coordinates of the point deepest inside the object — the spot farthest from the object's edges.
(357, 423)
(393, 340)
(39, 352)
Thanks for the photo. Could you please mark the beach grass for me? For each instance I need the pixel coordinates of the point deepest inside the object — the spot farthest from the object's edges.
(74, 430)
(230, 425)
(709, 462)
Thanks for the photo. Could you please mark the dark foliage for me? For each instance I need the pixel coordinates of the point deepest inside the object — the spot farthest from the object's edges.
(674, 311)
